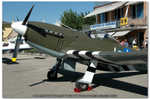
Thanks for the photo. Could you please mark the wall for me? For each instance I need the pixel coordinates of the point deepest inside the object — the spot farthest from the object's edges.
(136, 21)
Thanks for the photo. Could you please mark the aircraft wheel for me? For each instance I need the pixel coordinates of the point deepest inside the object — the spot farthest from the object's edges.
(52, 75)
(81, 86)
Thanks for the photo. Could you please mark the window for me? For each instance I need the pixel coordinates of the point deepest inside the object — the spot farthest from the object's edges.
(5, 44)
(122, 13)
(117, 14)
(133, 12)
(103, 17)
(140, 10)
(137, 11)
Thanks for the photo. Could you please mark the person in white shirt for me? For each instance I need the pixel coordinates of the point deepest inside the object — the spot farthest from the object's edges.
(134, 42)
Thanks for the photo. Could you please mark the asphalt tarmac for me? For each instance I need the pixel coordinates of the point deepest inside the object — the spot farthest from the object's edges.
(27, 79)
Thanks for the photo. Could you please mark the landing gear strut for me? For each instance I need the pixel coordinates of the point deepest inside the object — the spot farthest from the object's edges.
(83, 83)
(53, 73)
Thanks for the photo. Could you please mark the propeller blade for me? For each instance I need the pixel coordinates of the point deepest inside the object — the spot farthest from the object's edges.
(17, 18)
(27, 17)
(16, 48)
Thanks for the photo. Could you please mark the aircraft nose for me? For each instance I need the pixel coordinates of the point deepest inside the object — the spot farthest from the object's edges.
(19, 28)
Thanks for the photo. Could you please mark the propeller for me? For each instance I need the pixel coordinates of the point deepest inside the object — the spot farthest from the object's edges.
(21, 28)
(27, 16)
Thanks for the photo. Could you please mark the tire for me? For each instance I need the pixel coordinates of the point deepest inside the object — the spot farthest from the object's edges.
(81, 86)
(52, 75)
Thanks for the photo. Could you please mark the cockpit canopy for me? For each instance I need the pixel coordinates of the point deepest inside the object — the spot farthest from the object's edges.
(94, 34)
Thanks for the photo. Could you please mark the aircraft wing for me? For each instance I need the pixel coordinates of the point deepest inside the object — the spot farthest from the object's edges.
(114, 61)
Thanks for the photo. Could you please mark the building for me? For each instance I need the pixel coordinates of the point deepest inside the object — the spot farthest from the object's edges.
(7, 32)
(122, 20)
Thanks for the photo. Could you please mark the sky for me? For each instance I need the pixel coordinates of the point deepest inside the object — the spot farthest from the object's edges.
(49, 12)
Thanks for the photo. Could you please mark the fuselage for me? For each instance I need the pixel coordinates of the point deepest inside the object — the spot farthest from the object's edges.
(62, 39)
(56, 41)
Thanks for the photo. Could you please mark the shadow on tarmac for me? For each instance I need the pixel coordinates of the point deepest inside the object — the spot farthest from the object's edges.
(104, 79)
(8, 61)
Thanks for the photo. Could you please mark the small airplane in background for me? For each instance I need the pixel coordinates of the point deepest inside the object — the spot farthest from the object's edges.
(10, 45)
(70, 47)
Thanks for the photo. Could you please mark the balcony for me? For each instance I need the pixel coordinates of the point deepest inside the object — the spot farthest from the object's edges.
(125, 22)
(137, 21)
(102, 26)
(131, 22)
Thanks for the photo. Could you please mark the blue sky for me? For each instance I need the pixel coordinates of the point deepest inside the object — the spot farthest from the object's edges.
(48, 11)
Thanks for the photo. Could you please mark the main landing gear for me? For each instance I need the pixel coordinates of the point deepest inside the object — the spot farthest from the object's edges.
(53, 73)
(82, 87)
(83, 83)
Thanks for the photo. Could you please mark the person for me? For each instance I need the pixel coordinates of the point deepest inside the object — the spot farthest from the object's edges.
(124, 43)
(145, 43)
(130, 39)
(117, 39)
(134, 44)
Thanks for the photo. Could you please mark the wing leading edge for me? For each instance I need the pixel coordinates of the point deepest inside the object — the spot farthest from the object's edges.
(113, 61)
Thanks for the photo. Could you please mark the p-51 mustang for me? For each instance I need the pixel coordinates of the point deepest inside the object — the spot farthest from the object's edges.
(70, 46)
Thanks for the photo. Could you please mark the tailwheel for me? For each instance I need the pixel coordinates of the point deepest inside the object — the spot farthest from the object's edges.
(82, 87)
(52, 75)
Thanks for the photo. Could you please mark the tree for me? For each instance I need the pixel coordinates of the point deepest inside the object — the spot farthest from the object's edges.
(76, 21)
(71, 19)
(89, 20)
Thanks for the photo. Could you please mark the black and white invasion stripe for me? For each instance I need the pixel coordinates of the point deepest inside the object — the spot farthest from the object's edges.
(96, 55)
(83, 54)
(120, 68)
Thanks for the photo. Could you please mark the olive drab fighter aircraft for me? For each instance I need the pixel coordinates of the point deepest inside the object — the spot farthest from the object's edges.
(70, 46)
